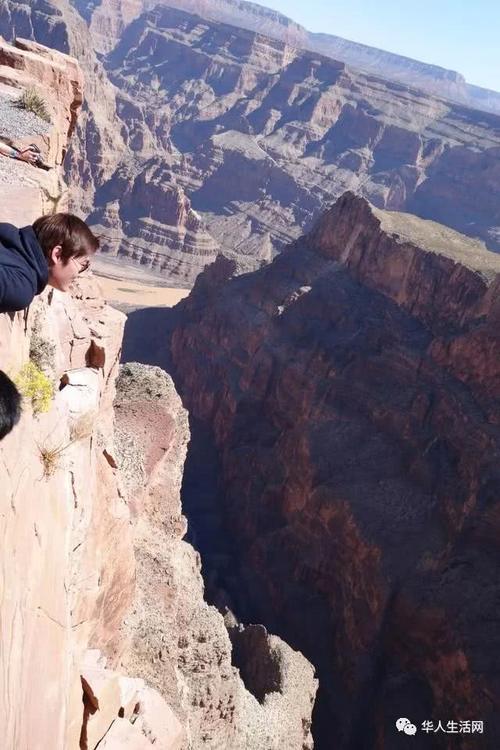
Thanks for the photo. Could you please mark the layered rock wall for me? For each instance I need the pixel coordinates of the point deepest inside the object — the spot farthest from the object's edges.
(148, 220)
(270, 134)
(257, 134)
(108, 20)
(108, 134)
(352, 391)
(94, 153)
(57, 79)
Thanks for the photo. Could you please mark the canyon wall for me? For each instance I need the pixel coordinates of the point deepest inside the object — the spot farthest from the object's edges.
(96, 149)
(27, 191)
(239, 140)
(105, 637)
(67, 552)
(263, 135)
(108, 20)
(351, 388)
(177, 642)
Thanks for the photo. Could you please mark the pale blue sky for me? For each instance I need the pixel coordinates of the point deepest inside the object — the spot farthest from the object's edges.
(462, 35)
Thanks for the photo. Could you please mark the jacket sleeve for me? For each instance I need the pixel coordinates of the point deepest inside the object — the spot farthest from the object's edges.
(17, 288)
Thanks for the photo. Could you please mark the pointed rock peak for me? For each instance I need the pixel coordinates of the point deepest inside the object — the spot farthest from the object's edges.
(210, 281)
(339, 228)
(217, 273)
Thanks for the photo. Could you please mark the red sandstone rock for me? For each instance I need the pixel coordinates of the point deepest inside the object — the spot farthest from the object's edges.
(66, 553)
(177, 643)
(58, 79)
(352, 390)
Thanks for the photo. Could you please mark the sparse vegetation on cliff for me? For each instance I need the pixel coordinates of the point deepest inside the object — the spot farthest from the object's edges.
(31, 100)
(50, 456)
(50, 459)
(35, 386)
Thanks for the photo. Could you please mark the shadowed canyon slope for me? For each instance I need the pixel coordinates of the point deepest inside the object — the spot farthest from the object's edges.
(239, 141)
(352, 388)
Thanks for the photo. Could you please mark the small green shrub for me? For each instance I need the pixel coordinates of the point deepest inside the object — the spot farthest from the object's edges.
(31, 100)
(34, 385)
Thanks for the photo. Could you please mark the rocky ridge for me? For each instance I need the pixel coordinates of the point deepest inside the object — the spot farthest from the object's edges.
(108, 20)
(352, 388)
(178, 643)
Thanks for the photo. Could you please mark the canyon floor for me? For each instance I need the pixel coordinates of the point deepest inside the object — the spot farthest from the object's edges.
(130, 288)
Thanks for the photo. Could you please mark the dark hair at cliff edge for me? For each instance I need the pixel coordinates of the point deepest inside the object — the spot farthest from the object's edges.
(68, 231)
(10, 405)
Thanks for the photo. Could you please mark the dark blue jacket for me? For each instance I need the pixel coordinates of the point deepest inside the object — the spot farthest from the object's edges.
(24, 271)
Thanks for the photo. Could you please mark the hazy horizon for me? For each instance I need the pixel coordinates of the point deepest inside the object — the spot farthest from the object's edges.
(454, 34)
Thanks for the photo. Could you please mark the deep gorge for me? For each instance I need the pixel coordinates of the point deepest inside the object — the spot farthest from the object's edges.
(352, 472)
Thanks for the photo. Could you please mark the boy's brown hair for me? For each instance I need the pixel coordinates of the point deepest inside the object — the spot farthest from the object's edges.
(68, 231)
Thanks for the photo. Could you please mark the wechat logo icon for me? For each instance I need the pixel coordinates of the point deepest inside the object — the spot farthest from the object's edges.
(405, 725)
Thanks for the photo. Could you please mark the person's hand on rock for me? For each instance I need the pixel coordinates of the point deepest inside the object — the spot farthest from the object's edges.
(28, 155)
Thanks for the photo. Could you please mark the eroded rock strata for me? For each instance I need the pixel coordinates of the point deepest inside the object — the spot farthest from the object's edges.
(108, 19)
(173, 241)
(255, 134)
(263, 135)
(352, 390)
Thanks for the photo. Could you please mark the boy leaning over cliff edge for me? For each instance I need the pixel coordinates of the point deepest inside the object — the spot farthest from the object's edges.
(53, 251)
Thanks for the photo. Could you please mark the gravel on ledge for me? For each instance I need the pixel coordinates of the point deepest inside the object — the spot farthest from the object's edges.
(16, 124)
